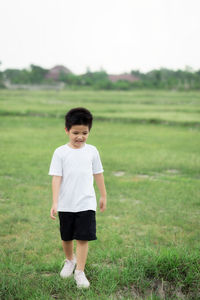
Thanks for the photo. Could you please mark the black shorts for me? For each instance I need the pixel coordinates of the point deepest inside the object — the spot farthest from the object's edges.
(78, 225)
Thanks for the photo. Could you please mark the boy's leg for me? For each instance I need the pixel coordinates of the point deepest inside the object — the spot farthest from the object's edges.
(68, 247)
(81, 254)
(70, 263)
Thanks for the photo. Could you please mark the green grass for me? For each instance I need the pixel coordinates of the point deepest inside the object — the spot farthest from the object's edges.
(134, 106)
(148, 238)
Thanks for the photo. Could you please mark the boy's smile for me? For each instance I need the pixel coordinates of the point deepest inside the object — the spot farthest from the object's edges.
(78, 135)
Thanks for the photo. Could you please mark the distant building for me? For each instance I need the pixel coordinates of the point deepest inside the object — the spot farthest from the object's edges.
(55, 72)
(124, 77)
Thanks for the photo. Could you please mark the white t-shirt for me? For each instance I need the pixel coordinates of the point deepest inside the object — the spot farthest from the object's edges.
(76, 166)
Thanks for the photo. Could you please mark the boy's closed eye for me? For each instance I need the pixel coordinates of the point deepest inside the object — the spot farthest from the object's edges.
(78, 133)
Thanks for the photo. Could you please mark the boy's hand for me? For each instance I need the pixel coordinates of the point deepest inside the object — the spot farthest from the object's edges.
(53, 211)
(102, 203)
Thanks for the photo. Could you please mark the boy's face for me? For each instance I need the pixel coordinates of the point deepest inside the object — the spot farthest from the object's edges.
(78, 135)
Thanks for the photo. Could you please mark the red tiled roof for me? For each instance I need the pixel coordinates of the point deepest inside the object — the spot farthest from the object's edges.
(55, 72)
(125, 77)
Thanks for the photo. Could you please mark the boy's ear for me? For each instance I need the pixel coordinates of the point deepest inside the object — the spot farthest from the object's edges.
(66, 130)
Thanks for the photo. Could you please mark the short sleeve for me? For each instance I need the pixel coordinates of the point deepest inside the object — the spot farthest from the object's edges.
(56, 165)
(96, 163)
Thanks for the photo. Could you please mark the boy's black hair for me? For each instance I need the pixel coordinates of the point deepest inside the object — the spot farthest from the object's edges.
(78, 116)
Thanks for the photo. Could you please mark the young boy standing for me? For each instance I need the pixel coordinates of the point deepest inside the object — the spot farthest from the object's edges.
(74, 166)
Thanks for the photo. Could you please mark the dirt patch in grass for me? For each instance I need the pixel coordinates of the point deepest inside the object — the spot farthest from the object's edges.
(165, 175)
(136, 201)
(48, 274)
(54, 296)
(123, 200)
(119, 173)
(172, 171)
(155, 175)
(158, 288)
(141, 177)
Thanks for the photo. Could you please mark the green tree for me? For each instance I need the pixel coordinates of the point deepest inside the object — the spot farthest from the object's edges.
(37, 74)
(70, 79)
(1, 79)
(16, 76)
(122, 85)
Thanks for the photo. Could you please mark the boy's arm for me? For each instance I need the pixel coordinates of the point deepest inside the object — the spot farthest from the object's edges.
(99, 178)
(56, 181)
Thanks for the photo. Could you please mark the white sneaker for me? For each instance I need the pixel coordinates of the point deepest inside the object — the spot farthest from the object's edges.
(81, 279)
(68, 268)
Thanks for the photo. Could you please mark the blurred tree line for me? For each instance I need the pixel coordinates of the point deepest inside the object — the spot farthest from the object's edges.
(33, 75)
(169, 79)
(156, 79)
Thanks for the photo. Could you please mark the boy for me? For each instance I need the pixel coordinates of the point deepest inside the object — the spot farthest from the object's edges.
(73, 167)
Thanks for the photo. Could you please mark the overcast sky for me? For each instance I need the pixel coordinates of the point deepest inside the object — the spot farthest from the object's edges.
(114, 35)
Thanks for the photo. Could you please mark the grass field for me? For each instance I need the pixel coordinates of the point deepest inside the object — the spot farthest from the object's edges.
(148, 244)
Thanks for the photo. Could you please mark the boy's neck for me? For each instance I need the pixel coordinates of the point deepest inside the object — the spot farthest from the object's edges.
(71, 146)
